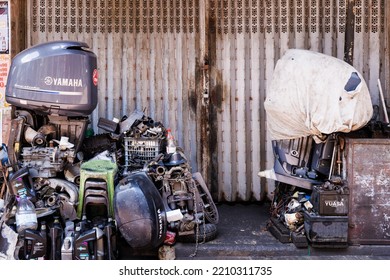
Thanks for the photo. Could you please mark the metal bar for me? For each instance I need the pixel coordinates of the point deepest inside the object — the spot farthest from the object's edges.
(349, 32)
(383, 101)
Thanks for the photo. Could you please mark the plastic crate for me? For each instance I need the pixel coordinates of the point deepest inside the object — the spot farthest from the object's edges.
(138, 151)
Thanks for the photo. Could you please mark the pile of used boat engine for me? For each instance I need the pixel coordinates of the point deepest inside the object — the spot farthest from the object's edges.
(311, 112)
(69, 194)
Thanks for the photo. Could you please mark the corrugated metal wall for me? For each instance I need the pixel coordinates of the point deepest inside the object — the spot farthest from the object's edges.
(146, 55)
(148, 52)
(250, 37)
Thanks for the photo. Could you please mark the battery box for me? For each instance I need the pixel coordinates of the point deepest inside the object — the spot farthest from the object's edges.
(326, 231)
(330, 202)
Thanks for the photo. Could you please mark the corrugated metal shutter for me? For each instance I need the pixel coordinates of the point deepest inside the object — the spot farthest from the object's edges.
(146, 55)
(148, 52)
(250, 36)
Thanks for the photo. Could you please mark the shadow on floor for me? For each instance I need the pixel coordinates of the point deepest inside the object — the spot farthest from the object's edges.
(243, 234)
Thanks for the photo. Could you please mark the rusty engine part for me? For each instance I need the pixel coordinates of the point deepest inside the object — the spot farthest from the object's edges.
(182, 190)
(53, 194)
(46, 162)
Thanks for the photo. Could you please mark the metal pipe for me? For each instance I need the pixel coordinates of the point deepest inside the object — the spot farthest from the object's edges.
(160, 170)
(333, 159)
(383, 102)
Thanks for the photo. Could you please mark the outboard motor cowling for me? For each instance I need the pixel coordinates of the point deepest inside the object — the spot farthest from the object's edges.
(139, 212)
(58, 77)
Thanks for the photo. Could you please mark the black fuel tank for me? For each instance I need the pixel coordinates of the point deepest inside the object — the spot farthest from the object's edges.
(57, 77)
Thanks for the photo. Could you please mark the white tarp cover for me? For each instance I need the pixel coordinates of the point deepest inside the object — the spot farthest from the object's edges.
(315, 94)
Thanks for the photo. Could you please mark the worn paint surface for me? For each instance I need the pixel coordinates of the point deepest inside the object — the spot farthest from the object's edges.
(153, 54)
(368, 174)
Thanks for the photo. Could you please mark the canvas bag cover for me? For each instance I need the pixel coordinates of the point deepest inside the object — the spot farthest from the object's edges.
(315, 94)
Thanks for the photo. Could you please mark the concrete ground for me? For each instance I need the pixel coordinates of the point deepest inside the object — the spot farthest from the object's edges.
(243, 234)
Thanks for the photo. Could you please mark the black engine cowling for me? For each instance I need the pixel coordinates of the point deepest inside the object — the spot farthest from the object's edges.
(139, 212)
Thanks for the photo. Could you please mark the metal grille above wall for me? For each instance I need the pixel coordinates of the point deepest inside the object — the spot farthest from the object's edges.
(115, 16)
(134, 16)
